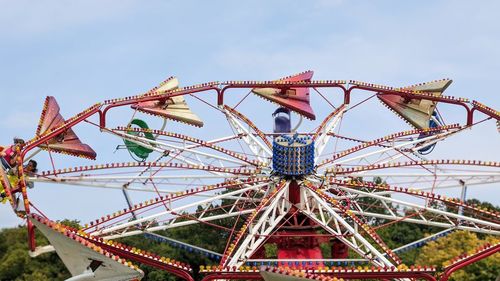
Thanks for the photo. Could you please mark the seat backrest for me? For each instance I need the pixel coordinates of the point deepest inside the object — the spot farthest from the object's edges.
(282, 124)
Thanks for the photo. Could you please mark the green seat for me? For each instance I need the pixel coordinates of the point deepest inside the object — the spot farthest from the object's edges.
(135, 149)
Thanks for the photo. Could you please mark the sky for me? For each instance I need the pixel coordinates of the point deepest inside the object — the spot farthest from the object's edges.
(83, 52)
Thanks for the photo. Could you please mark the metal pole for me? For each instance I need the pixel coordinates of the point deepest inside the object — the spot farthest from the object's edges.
(463, 196)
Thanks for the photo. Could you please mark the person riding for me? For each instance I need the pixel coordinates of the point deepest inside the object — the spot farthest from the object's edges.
(8, 154)
(30, 169)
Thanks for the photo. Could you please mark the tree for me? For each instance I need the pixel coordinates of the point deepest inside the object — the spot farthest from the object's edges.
(439, 253)
(16, 264)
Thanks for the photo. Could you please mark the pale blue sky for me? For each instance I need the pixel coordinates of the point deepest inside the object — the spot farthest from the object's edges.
(83, 52)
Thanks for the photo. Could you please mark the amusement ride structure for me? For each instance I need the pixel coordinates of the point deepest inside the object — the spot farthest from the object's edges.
(295, 189)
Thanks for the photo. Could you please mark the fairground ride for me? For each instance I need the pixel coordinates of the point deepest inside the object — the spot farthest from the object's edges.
(291, 187)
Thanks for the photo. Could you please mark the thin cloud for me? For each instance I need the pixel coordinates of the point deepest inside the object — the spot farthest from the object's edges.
(29, 18)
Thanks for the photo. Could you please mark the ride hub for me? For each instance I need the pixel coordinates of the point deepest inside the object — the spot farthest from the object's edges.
(293, 155)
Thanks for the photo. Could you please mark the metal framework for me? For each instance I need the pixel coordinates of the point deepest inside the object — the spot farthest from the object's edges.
(196, 181)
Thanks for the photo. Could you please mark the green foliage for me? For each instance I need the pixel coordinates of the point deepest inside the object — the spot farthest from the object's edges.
(16, 264)
(271, 250)
(326, 250)
(482, 204)
(71, 223)
(399, 234)
(442, 250)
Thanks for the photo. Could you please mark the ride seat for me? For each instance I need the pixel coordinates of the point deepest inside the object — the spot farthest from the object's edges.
(282, 121)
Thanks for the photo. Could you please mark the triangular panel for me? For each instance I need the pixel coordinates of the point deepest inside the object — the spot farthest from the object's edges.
(295, 99)
(417, 112)
(67, 142)
(174, 108)
(78, 254)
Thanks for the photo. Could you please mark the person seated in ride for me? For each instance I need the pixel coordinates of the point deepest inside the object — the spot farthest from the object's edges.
(29, 169)
(12, 180)
(8, 154)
